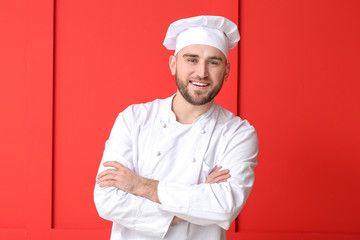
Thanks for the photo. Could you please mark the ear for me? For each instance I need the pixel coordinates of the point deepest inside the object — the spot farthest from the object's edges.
(227, 71)
(172, 64)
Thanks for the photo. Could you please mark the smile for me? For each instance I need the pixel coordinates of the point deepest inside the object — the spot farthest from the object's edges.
(199, 84)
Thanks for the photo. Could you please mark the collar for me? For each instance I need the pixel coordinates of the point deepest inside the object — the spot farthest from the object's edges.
(203, 122)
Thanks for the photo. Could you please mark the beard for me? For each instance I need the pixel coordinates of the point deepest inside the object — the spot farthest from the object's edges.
(198, 98)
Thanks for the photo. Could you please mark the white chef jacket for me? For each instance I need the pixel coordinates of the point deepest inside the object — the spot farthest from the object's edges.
(147, 139)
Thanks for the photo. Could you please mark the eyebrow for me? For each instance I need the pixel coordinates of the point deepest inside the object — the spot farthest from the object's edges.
(216, 58)
(190, 55)
(197, 56)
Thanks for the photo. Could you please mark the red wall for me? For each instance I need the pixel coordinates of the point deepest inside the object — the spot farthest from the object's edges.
(299, 85)
(68, 67)
(26, 78)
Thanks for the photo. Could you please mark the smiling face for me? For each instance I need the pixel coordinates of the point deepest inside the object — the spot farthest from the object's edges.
(200, 71)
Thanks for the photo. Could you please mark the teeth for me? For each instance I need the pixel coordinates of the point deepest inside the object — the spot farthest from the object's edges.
(199, 84)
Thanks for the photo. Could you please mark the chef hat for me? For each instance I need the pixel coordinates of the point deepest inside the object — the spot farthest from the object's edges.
(215, 31)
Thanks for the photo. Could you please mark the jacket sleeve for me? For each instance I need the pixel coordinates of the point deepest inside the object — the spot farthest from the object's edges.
(206, 204)
(133, 212)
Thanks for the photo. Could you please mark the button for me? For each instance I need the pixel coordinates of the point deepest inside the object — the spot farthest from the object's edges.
(203, 131)
(163, 124)
(194, 160)
(158, 153)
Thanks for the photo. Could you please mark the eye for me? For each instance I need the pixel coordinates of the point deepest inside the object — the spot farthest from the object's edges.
(214, 63)
(192, 60)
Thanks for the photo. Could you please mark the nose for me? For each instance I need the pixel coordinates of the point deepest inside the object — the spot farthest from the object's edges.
(202, 70)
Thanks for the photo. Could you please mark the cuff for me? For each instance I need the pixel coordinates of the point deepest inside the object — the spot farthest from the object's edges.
(153, 221)
(174, 196)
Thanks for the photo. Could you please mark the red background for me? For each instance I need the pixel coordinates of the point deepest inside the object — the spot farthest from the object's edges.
(67, 68)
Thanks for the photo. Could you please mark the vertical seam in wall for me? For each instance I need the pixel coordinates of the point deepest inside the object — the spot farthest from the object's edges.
(237, 220)
(238, 67)
(53, 122)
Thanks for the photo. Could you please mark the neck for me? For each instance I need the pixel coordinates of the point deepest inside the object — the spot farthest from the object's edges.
(185, 112)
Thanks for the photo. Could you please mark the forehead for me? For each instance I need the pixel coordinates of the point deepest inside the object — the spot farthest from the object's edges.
(202, 51)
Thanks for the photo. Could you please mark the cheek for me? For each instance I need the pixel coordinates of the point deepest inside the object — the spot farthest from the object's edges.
(183, 72)
(218, 76)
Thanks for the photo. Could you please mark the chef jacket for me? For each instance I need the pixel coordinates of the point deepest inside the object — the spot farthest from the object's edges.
(147, 139)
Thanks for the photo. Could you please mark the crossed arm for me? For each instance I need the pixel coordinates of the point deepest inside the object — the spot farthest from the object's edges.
(126, 180)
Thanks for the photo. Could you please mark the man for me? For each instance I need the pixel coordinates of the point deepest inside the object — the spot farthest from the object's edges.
(161, 174)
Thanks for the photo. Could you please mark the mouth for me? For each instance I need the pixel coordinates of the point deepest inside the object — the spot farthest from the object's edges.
(199, 84)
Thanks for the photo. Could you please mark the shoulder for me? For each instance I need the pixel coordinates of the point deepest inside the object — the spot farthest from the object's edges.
(235, 129)
(238, 133)
(229, 121)
(142, 112)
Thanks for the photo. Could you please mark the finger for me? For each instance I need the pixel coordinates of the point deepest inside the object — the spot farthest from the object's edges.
(114, 164)
(217, 178)
(216, 170)
(211, 178)
(107, 184)
(222, 172)
(217, 174)
(222, 178)
(108, 177)
(103, 173)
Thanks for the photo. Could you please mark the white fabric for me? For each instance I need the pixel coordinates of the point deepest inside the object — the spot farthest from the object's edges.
(205, 36)
(215, 31)
(148, 139)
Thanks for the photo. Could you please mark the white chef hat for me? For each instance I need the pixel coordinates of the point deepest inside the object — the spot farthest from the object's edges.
(215, 31)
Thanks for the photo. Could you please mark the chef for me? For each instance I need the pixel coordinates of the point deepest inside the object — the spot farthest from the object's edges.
(180, 167)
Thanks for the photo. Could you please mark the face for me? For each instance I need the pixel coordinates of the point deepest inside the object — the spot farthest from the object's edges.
(200, 71)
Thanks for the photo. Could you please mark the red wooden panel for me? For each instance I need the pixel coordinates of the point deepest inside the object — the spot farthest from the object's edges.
(108, 55)
(13, 233)
(26, 123)
(12, 128)
(98, 234)
(299, 81)
(39, 105)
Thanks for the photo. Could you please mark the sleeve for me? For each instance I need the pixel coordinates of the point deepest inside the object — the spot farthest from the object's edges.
(133, 212)
(206, 204)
